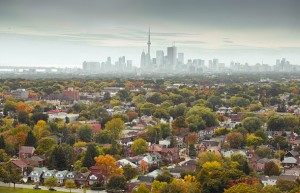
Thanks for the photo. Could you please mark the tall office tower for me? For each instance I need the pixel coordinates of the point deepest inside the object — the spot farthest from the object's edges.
(148, 59)
(215, 62)
(129, 64)
(180, 58)
(143, 60)
(160, 58)
(171, 54)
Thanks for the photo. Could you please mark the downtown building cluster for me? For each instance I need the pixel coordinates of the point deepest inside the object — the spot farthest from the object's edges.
(173, 62)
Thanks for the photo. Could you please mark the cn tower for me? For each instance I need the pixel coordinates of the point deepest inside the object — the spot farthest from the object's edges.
(149, 43)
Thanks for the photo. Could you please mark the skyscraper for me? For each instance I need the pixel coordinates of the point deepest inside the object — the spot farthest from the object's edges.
(160, 58)
(143, 60)
(180, 58)
(171, 55)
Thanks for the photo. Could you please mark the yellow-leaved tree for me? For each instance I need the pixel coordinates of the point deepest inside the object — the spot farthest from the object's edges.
(108, 166)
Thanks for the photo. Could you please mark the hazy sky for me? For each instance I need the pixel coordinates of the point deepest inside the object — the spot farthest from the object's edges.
(68, 32)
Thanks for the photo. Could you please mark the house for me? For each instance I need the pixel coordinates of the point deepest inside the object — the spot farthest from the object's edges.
(273, 179)
(61, 176)
(81, 178)
(36, 174)
(95, 179)
(36, 160)
(22, 165)
(124, 162)
(289, 162)
(70, 175)
(26, 151)
(49, 174)
(170, 154)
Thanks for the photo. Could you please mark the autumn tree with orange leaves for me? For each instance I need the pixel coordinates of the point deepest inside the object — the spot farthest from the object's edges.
(108, 166)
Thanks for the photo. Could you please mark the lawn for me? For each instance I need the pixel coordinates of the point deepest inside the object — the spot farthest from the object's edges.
(24, 190)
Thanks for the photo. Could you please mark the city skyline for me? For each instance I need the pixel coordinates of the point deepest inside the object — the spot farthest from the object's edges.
(68, 32)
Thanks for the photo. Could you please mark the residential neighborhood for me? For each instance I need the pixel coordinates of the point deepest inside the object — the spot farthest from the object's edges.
(152, 135)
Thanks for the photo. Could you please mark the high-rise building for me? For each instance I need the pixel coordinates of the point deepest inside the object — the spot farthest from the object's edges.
(180, 58)
(160, 58)
(171, 55)
(143, 60)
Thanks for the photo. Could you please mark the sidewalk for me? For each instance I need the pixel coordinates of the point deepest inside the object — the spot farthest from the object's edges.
(56, 188)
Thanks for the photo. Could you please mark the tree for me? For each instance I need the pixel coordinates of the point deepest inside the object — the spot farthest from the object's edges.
(263, 152)
(104, 137)
(90, 155)
(165, 130)
(192, 151)
(241, 188)
(129, 172)
(45, 146)
(15, 175)
(276, 123)
(161, 113)
(236, 140)
(70, 184)
(117, 182)
(253, 140)
(2, 142)
(51, 182)
(141, 189)
(139, 146)
(108, 166)
(285, 185)
(115, 127)
(30, 139)
(85, 133)
(164, 177)
(270, 189)
(39, 116)
(58, 158)
(208, 157)
(3, 156)
(242, 161)
(271, 169)
(40, 129)
(252, 124)
(157, 186)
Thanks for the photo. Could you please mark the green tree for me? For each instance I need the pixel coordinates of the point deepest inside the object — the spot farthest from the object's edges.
(45, 146)
(104, 137)
(90, 154)
(271, 169)
(129, 172)
(85, 133)
(236, 140)
(2, 142)
(30, 139)
(276, 123)
(208, 157)
(51, 182)
(15, 175)
(117, 182)
(252, 124)
(164, 177)
(285, 185)
(263, 152)
(70, 184)
(58, 158)
(192, 151)
(139, 146)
